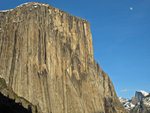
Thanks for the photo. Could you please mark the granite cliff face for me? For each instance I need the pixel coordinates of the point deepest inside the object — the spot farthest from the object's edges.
(46, 57)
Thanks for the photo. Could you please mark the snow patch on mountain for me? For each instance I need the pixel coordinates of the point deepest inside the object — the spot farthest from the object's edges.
(143, 92)
(127, 103)
(146, 101)
(34, 4)
(6, 10)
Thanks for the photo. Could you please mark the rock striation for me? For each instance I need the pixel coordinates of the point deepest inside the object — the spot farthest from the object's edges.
(46, 57)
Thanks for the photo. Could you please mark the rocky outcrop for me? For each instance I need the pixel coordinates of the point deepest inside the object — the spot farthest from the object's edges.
(12, 103)
(139, 95)
(46, 57)
(143, 106)
(127, 103)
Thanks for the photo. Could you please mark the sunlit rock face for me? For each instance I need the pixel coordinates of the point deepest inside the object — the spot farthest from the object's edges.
(46, 57)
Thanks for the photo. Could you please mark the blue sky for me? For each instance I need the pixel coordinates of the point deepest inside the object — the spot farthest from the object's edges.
(121, 37)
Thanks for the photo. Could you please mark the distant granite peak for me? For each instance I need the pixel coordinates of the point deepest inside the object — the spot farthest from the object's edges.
(144, 93)
(140, 103)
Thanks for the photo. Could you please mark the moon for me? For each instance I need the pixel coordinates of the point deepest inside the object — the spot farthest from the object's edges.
(131, 8)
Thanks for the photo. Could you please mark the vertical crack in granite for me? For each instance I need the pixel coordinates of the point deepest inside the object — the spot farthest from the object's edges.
(39, 47)
(46, 57)
(13, 61)
(1, 44)
(45, 46)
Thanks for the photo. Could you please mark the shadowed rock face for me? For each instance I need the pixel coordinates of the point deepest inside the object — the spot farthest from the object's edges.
(46, 56)
(12, 103)
(10, 106)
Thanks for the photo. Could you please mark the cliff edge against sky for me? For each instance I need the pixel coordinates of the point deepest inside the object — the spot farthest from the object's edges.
(46, 57)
